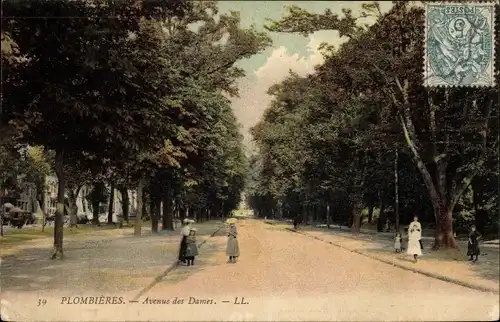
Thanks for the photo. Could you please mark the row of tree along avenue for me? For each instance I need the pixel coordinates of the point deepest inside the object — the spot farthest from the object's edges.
(129, 94)
(331, 144)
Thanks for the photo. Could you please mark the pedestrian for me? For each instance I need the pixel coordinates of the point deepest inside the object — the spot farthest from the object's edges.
(233, 249)
(387, 225)
(295, 223)
(473, 245)
(414, 236)
(398, 243)
(191, 247)
(184, 233)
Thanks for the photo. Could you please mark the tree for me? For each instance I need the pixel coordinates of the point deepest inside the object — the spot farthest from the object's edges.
(206, 64)
(82, 85)
(372, 87)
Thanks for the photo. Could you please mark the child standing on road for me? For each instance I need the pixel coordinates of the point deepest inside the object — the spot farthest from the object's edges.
(191, 248)
(473, 245)
(398, 243)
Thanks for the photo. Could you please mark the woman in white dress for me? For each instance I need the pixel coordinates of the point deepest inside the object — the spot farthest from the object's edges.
(414, 236)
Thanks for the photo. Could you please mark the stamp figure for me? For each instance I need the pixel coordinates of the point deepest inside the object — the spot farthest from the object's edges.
(459, 45)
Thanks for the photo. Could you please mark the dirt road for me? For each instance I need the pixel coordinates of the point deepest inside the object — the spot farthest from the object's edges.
(282, 276)
(287, 276)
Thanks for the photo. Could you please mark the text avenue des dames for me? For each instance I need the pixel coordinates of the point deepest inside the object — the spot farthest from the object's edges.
(92, 300)
(190, 300)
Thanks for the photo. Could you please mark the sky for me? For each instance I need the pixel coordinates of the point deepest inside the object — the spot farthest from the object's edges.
(288, 52)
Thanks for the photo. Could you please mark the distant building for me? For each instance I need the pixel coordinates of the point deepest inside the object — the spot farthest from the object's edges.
(29, 202)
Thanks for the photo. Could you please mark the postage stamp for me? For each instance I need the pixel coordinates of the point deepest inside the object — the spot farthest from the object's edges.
(459, 44)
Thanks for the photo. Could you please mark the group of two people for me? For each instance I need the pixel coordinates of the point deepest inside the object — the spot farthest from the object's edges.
(415, 241)
(189, 249)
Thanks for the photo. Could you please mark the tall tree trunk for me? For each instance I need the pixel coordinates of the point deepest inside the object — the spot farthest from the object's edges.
(145, 210)
(328, 218)
(154, 210)
(111, 203)
(444, 228)
(168, 215)
(84, 201)
(125, 203)
(443, 197)
(370, 212)
(158, 211)
(140, 207)
(396, 189)
(73, 207)
(59, 217)
(40, 196)
(175, 210)
(96, 195)
(95, 212)
(356, 215)
(381, 216)
(357, 204)
(154, 206)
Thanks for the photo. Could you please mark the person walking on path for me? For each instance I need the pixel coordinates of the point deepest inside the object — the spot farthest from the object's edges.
(414, 236)
(184, 233)
(473, 245)
(191, 247)
(233, 249)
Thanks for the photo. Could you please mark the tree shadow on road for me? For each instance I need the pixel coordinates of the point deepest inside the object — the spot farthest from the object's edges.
(488, 266)
(105, 265)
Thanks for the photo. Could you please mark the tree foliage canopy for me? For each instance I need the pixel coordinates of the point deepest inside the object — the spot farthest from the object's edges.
(129, 92)
(331, 137)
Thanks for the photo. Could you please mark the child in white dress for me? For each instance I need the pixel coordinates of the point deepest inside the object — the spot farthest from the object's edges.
(398, 243)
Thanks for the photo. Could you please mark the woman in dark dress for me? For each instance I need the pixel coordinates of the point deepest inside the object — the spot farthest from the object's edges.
(473, 245)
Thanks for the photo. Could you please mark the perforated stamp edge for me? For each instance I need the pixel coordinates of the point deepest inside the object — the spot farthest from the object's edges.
(495, 5)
